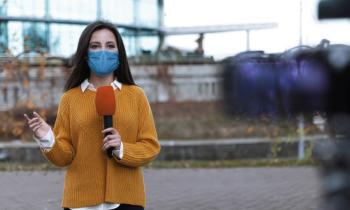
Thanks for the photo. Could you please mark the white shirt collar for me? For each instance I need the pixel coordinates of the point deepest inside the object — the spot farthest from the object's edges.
(87, 85)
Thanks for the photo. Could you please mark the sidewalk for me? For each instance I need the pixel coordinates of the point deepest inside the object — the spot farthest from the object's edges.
(288, 188)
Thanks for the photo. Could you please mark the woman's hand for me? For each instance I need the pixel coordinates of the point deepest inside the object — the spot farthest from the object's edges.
(113, 139)
(37, 125)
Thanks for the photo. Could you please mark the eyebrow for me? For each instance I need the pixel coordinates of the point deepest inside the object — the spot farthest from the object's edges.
(94, 43)
(111, 42)
(97, 42)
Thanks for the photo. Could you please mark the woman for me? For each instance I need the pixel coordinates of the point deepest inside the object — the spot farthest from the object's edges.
(94, 181)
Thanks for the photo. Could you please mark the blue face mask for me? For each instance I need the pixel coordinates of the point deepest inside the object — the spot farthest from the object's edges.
(103, 62)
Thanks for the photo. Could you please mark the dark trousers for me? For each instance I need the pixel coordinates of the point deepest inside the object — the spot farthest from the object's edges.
(123, 207)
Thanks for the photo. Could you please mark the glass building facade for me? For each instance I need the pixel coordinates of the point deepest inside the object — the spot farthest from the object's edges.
(54, 26)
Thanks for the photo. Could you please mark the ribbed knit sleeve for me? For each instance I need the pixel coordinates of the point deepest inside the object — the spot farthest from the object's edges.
(147, 146)
(62, 152)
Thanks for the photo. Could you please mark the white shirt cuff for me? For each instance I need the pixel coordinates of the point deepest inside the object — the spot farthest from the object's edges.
(47, 141)
(118, 153)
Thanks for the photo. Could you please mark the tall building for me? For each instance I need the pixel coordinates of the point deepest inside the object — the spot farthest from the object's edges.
(54, 26)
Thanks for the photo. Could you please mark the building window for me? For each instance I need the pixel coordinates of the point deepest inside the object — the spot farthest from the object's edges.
(39, 30)
(3, 37)
(64, 39)
(73, 10)
(148, 13)
(34, 37)
(119, 11)
(5, 94)
(26, 8)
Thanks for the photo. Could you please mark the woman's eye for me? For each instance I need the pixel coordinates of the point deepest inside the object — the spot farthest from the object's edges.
(111, 46)
(93, 46)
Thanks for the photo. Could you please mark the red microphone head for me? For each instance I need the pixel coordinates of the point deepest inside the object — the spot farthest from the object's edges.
(105, 100)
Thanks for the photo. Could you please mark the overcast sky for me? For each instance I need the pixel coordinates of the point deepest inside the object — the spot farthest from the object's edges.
(286, 13)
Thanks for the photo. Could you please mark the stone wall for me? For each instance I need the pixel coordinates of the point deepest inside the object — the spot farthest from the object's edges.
(162, 83)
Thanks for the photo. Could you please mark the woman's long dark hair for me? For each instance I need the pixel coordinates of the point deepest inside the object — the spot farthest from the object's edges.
(80, 68)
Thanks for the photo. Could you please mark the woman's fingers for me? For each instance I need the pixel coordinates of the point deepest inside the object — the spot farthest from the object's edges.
(26, 116)
(34, 119)
(36, 128)
(110, 138)
(110, 144)
(37, 115)
(35, 124)
(106, 139)
(110, 130)
(106, 146)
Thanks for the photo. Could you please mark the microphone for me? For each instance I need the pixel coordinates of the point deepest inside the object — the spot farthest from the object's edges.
(105, 106)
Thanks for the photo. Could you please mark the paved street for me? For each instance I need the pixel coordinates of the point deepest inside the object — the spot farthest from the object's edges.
(183, 189)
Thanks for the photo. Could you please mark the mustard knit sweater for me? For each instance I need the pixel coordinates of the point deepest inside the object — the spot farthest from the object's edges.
(92, 178)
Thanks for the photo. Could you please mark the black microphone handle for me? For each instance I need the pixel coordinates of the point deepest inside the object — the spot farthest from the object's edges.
(108, 123)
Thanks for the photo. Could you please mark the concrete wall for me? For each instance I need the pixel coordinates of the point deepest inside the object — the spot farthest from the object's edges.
(185, 150)
(163, 83)
(43, 93)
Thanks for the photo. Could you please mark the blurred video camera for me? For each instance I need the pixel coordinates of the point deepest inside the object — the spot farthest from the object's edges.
(303, 80)
(332, 9)
(335, 158)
